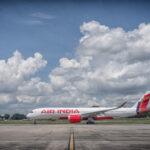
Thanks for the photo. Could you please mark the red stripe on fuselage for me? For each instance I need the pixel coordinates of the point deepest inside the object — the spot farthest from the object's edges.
(63, 118)
(96, 118)
(102, 118)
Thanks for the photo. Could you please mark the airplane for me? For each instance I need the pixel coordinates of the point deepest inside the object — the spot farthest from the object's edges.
(76, 115)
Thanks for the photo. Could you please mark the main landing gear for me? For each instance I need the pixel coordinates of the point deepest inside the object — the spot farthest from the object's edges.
(90, 121)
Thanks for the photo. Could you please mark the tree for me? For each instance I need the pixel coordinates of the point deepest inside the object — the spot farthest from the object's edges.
(141, 115)
(18, 116)
(6, 116)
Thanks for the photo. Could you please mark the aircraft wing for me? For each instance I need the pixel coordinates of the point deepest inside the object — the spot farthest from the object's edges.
(93, 114)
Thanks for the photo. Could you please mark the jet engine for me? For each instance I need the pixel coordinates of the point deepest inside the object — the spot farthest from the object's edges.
(74, 118)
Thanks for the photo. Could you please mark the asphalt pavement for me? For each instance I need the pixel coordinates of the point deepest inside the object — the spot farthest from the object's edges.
(75, 136)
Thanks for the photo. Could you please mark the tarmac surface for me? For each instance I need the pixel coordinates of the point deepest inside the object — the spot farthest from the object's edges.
(82, 137)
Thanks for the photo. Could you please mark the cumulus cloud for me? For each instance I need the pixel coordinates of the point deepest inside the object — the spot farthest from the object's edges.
(110, 66)
(15, 72)
(110, 63)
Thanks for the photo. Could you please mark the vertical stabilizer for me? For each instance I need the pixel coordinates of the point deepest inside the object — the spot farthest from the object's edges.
(142, 105)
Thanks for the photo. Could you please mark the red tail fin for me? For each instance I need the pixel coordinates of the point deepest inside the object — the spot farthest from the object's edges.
(143, 104)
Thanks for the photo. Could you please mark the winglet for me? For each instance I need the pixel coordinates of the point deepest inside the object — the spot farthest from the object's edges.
(123, 104)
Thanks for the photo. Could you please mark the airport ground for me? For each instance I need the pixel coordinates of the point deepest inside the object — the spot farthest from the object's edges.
(75, 136)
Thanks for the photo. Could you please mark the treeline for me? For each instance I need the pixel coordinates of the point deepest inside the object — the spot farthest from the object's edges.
(15, 116)
(18, 116)
(141, 115)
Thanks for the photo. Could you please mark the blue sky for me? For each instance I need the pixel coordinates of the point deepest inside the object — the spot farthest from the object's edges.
(89, 57)
(58, 36)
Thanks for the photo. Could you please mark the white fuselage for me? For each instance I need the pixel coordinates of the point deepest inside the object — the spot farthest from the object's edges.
(57, 113)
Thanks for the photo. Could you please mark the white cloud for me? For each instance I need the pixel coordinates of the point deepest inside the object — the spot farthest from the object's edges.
(66, 63)
(33, 22)
(111, 66)
(109, 63)
(42, 15)
(15, 72)
(38, 18)
(5, 98)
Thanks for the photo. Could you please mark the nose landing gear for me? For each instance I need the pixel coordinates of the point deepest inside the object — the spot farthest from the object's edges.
(34, 121)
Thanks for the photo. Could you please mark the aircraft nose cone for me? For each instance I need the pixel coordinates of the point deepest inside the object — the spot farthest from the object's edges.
(28, 116)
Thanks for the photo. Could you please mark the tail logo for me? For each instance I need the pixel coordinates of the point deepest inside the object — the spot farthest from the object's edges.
(141, 107)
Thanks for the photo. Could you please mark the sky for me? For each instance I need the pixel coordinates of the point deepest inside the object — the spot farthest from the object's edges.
(73, 53)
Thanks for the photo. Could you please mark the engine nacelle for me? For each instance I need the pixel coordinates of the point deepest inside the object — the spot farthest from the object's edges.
(74, 118)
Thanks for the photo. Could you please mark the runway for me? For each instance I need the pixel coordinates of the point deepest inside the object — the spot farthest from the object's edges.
(81, 137)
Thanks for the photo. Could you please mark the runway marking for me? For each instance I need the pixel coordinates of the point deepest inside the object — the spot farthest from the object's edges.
(71, 145)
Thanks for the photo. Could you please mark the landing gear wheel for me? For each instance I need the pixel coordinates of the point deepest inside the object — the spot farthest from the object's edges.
(90, 122)
(34, 121)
